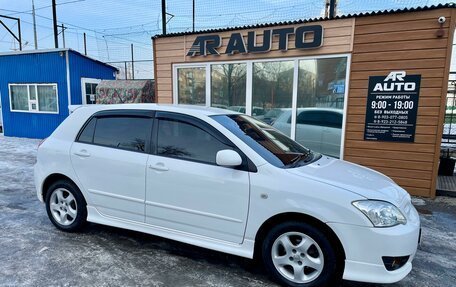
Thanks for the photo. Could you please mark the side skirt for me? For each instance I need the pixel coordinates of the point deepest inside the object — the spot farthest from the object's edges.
(244, 250)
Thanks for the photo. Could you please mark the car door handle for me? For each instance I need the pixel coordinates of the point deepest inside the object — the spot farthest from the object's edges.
(82, 153)
(158, 167)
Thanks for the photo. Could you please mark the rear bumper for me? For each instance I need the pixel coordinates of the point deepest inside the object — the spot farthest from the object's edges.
(365, 246)
(38, 178)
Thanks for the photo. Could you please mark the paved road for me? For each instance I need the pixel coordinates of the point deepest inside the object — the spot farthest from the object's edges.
(34, 253)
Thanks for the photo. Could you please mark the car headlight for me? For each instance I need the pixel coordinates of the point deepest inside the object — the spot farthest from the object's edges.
(381, 213)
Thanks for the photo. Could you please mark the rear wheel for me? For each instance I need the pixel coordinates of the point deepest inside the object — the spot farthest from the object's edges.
(65, 206)
(298, 254)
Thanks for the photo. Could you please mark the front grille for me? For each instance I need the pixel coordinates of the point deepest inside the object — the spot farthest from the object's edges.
(394, 263)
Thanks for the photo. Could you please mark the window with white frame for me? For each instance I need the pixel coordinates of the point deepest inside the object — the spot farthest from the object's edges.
(192, 85)
(89, 90)
(40, 98)
(303, 97)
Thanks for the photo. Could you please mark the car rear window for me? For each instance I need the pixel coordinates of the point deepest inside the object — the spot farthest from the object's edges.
(122, 132)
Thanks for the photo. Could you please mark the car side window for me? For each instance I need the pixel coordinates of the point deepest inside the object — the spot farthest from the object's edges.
(310, 118)
(332, 120)
(320, 118)
(86, 135)
(123, 132)
(181, 139)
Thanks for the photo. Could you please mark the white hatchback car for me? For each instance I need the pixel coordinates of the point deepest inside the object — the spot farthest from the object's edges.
(225, 181)
(319, 129)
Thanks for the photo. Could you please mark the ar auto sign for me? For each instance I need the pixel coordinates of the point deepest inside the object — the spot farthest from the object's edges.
(210, 44)
(392, 104)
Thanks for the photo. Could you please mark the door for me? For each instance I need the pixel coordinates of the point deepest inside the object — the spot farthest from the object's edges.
(109, 158)
(186, 190)
(309, 129)
(89, 90)
(332, 133)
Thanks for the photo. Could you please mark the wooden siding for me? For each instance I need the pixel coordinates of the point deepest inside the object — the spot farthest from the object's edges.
(379, 45)
(401, 42)
(337, 39)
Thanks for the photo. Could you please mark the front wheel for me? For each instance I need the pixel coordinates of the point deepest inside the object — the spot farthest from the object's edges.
(298, 254)
(65, 206)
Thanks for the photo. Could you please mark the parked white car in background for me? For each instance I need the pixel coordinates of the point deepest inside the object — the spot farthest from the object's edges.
(319, 129)
(225, 181)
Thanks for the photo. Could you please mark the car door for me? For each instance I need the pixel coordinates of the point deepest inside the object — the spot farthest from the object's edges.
(186, 190)
(109, 158)
(332, 133)
(309, 129)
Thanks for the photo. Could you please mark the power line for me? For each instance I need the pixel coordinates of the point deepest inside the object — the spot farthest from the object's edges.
(40, 8)
(77, 26)
(6, 34)
(66, 23)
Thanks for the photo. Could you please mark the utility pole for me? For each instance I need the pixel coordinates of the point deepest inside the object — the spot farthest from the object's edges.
(132, 64)
(18, 37)
(164, 16)
(331, 9)
(54, 20)
(20, 34)
(85, 44)
(34, 25)
(63, 34)
(193, 15)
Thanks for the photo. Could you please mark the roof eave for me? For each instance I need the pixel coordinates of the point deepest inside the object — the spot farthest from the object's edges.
(303, 21)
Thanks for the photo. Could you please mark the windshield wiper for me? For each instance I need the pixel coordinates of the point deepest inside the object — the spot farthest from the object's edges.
(301, 157)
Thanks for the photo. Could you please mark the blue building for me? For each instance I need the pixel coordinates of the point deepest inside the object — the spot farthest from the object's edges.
(37, 86)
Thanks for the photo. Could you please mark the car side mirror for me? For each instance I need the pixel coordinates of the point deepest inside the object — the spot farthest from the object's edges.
(228, 158)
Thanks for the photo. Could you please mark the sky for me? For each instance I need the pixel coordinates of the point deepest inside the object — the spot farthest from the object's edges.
(112, 26)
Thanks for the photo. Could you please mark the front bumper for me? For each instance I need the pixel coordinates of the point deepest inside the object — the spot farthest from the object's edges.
(365, 246)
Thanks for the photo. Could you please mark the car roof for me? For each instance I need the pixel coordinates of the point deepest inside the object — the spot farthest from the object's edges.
(184, 109)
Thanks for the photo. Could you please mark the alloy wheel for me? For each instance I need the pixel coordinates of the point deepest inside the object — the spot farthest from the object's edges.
(63, 206)
(297, 257)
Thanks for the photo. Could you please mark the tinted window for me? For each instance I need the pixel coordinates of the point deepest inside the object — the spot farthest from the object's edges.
(123, 132)
(310, 118)
(187, 141)
(86, 136)
(333, 120)
(320, 118)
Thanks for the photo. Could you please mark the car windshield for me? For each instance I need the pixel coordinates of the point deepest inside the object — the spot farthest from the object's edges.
(275, 147)
(274, 113)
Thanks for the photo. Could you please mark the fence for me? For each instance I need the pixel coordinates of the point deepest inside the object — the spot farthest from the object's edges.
(134, 70)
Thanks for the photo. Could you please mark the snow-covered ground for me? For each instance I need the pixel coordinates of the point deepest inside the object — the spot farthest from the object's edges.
(17, 156)
(34, 253)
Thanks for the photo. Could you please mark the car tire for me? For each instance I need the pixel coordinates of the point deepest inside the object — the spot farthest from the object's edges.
(298, 254)
(66, 206)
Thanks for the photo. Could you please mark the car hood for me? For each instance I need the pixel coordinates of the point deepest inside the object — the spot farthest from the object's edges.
(352, 177)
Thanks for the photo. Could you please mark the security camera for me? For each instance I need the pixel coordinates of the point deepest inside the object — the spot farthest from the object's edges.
(441, 20)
